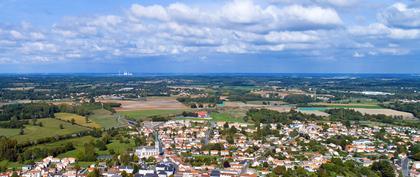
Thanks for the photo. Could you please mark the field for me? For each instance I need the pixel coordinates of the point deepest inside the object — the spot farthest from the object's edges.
(152, 103)
(50, 128)
(315, 112)
(388, 112)
(80, 120)
(79, 141)
(350, 105)
(115, 145)
(143, 114)
(104, 118)
(226, 117)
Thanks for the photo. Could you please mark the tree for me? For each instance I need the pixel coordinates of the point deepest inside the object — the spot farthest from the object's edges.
(77, 168)
(88, 152)
(124, 174)
(94, 173)
(384, 167)
(193, 105)
(279, 170)
(15, 174)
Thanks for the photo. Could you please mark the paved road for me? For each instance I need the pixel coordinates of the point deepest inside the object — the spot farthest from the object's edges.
(405, 167)
(210, 130)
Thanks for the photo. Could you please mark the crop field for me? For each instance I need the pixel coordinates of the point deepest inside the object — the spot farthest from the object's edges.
(350, 105)
(152, 103)
(388, 112)
(80, 120)
(50, 128)
(143, 114)
(104, 118)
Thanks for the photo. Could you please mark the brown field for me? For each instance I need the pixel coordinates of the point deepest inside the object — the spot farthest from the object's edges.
(388, 112)
(280, 108)
(152, 103)
(318, 113)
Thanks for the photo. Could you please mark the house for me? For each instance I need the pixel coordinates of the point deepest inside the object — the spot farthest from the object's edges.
(202, 114)
(165, 169)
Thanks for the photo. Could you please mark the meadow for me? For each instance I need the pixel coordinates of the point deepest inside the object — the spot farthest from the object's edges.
(50, 128)
(225, 117)
(104, 119)
(80, 120)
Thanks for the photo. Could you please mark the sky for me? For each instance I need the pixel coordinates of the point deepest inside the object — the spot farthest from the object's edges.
(210, 36)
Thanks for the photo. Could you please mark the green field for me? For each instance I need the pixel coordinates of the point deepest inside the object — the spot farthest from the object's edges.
(104, 118)
(115, 145)
(225, 117)
(10, 165)
(77, 142)
(51, 128)
(144, 114)
(80, 120)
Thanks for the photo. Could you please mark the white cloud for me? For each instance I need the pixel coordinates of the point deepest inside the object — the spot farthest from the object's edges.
(244, 12)
(156, 12)
(37, 35)
(341, 3)
(358, 55)
(291, 36)
(297, 16)
(378, 30)
(16, 34)
(401, 16)
(238, 26)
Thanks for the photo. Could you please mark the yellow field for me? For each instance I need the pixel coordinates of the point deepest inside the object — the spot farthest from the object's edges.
(80, 120)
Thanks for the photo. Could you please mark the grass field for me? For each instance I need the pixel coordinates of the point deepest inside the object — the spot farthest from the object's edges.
(10, 165)
(78, 143)
(50, 128)
(226, 117)
(104, 118)
(7, 132)
(80, 120)
(143, 114)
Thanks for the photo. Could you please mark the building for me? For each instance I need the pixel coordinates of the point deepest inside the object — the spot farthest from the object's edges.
(148, 151)
(202, 114)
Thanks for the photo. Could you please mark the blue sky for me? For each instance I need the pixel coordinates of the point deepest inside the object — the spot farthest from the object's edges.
(339, 36)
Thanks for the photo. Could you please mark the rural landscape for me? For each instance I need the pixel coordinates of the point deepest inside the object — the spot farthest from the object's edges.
(269, 125)
(210, 88)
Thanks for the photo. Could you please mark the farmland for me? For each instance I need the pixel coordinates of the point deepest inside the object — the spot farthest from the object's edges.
(152, 103)
(143, 114)
(104, 119)
(80, 120)
(350, 105)
(225, 117)
(50, 128)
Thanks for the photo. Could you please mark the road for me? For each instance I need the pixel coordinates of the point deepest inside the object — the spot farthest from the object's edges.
(210, 130)
(405, 167)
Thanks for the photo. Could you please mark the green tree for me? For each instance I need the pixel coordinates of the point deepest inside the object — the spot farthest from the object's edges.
(94, 173)
(384, 167)
(15, 174)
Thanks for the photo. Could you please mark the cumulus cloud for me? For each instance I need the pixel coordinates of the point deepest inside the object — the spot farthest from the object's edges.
(401, 16)
(236, 26)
